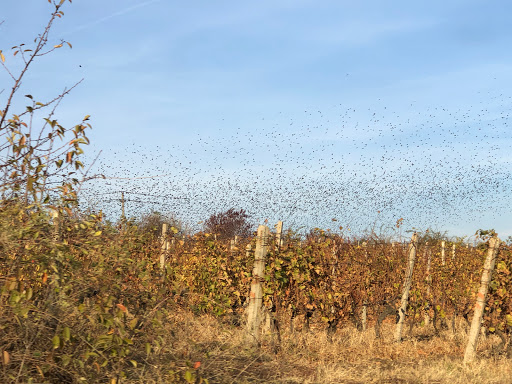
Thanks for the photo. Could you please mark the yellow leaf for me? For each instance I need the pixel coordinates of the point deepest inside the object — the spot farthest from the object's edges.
(57, 46)
(2, 57)
(97, 233)
(6, 358)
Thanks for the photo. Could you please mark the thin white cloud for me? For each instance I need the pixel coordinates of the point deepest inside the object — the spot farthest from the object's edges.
(115, 14)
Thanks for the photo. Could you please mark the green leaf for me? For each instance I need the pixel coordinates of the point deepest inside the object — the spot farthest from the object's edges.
(66, 334)
(133, 323)
(188, 376)
(56, 342)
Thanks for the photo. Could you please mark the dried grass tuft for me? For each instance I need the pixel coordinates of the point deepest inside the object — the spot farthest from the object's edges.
(351, 357)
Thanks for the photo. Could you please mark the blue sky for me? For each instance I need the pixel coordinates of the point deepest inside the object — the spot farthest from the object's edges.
(362, 111)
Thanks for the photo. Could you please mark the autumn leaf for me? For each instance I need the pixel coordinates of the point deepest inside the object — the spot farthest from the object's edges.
(6, 357)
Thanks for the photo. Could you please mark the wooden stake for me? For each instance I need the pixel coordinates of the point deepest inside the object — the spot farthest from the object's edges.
(164, 246)
(279, 233)
(428, 254)
(123, 217)
(490, 260)
(407, 288)
(56, 224)
(258, 275)
(364, 320)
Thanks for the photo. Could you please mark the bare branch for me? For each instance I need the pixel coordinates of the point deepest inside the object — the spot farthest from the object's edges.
(85, 178)
(41, 42)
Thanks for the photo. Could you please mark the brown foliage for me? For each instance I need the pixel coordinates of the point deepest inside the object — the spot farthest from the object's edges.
(229, 224)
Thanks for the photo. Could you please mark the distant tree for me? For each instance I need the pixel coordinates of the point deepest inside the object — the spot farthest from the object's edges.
(229, 224)
(431, 236)
(152, 223)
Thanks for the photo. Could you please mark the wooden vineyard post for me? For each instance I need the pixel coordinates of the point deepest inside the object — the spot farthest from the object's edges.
(453, 251)
(279, 235)
(428, 279)
(123, 216)
(490, 260)
(443, 250)
(164, 247)
(364, 319)
(407, 288)
(258, 275)
(56, 224)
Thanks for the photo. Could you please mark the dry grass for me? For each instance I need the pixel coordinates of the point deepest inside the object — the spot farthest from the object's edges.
(351, 357)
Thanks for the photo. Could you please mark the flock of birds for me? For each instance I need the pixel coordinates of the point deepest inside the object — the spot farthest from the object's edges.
(355, 168)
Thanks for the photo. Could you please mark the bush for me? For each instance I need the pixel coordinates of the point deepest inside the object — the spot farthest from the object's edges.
(229, 224)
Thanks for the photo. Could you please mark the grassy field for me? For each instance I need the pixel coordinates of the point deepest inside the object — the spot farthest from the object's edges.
(351, 357)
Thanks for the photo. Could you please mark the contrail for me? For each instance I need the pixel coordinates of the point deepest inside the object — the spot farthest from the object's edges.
(115, 14)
